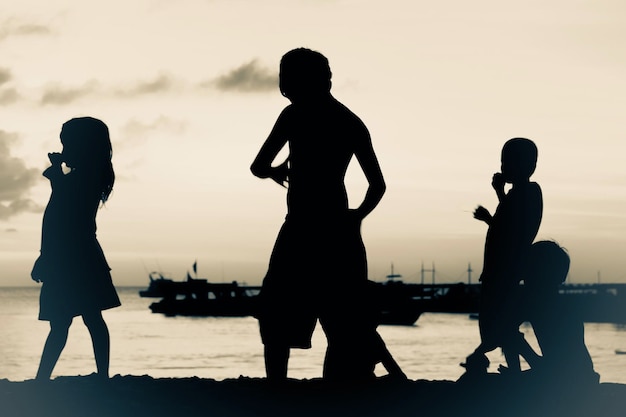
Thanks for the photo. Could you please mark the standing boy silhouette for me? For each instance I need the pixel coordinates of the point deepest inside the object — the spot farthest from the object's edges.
(318, 267)
(511, 232)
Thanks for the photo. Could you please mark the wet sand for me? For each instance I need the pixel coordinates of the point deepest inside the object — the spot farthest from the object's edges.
(139, 396)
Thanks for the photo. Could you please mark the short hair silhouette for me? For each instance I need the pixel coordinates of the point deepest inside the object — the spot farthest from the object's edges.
(520, 154)
(548, 262)
(304, 72)
(322, 136)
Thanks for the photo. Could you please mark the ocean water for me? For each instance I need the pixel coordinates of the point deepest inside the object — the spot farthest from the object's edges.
(143, 343)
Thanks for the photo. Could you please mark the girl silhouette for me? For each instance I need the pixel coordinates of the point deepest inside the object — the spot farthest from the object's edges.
(72, 267)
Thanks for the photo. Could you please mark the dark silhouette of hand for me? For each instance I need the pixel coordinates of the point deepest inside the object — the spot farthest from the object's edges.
(280, 174)
(355, 216)
(497, 182)
(55, 158)
(482, 214)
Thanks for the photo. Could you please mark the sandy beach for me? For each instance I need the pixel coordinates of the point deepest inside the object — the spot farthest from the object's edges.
(140, 396)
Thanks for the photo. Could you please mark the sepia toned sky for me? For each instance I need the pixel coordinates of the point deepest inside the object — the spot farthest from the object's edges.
(189, 92)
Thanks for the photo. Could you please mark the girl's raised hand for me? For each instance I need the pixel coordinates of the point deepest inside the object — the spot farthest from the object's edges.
(55, 158)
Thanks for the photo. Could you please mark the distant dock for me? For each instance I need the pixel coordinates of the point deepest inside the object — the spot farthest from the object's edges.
(603, 303)
(400, 302)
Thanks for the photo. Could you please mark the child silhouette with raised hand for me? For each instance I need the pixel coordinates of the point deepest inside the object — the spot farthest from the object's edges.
(318, 262)
(512, 229)
(75, 275)
(557, 325)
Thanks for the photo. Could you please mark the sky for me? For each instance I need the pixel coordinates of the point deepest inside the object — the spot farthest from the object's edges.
(189, 92)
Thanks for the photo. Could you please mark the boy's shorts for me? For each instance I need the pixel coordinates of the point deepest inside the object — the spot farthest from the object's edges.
(314, 271)
(286, 316)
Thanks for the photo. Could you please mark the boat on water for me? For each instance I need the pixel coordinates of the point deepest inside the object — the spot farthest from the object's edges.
(159, 285)
(200, 298)
(398, 302)
(395, 303)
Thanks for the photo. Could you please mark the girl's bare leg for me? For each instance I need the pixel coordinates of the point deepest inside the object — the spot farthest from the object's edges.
(54, 346)
(100, 341)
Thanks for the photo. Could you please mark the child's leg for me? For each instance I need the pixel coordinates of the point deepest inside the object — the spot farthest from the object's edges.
(390, 364)
(350, 351)
(100, 341)
(388, 361)
(529, 354)
(276, 360)
(54, 346)
(512, 359)
(517, 347)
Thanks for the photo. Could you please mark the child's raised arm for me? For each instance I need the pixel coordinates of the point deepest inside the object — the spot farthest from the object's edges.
(54, 170)
(497, 182)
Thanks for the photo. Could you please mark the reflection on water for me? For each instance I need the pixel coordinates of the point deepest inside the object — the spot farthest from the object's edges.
(151, 344)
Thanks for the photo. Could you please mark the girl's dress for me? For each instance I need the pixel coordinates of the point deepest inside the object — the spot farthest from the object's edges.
(76, 276)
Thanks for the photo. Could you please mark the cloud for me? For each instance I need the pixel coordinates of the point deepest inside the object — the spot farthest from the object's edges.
(16, 180)
(7, 95)
(160, 84)
(135, 132)
(249, 78)
(5, 75)
(10, 28)
(135, 128)
(57, 94)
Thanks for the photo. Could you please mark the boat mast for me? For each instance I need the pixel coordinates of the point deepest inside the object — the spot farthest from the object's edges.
(392, 275)
(428, 270)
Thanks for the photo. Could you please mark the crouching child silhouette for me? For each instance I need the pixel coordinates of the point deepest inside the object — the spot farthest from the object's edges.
(557, 324)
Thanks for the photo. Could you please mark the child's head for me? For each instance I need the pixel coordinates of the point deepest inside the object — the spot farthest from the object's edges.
(519, 159)
(304, 74)
(548, 265)
(87, 147)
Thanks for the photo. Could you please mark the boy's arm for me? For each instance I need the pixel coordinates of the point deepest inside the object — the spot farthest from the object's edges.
(497, 182)
(262, 165)
(368, 161)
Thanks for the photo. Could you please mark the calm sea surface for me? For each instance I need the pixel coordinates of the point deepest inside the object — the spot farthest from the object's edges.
(143, 343)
